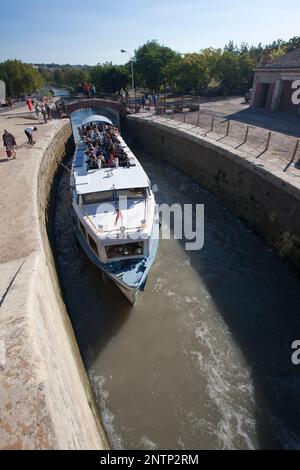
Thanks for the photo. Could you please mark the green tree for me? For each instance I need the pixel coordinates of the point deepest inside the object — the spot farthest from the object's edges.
(73, 77)
(276, 53)
(190, 72)
(20, 78)
(110, 78)
(235, 72)
(151, 61)
(292, 44)
(46, 74)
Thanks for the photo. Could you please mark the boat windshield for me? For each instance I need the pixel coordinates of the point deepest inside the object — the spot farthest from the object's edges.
(97, 198)
(124, 250)
(133, 193)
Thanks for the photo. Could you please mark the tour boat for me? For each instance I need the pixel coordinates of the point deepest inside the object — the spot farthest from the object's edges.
(115, 216)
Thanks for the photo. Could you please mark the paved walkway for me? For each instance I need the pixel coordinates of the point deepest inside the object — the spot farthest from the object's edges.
(270, 161)
(17, 179)
(45, 398)
(284, 128)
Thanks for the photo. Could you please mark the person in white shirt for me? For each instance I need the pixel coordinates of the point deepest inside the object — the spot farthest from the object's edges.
(29, 134)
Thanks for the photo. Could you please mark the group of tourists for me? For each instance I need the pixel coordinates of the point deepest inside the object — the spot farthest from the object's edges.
(148, 101)
(45, 110)
(104, 149)
(89, 90)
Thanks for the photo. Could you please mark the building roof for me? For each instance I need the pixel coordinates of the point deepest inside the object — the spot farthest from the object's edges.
(291, 60)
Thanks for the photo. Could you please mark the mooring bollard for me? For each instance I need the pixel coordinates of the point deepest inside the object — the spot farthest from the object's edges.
(228, 128)
(185, 110)
(247, 134)
(198, 119)
(169, 112)
(295, 151)
(268, 142)
(293, 155)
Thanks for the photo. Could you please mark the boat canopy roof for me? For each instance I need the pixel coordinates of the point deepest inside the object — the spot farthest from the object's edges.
(96, 118)
(110, 178)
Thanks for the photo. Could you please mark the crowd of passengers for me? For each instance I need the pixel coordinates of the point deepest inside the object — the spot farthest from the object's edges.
(104, 149)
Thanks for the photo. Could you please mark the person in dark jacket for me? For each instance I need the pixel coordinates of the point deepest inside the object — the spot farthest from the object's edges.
(10, 144)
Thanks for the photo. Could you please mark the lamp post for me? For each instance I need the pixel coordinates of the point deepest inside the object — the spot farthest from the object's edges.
(132, 74)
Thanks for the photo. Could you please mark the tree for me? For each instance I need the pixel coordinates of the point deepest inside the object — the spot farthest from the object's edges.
(110, 78)
(277, 53)
(292, 44)
(190, 72)
(151, 60)
(20, 78)
(73, 77)
(234, 72)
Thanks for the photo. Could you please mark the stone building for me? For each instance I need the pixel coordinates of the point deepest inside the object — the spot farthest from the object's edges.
(272, 88)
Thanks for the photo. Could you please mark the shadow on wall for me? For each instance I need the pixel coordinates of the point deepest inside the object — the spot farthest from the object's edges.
(273, 121)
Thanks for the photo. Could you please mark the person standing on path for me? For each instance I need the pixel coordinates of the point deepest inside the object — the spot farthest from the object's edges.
(10, 144)
(44, 113)
(38, 111)
(29, 104)
(29, 134)
(48, 111)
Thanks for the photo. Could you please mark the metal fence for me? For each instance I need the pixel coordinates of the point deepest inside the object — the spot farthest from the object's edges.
(280, 150)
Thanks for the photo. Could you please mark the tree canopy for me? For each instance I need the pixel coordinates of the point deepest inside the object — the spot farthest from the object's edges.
(20, 78)
(151, 60)
(227, 71)
(110, 78)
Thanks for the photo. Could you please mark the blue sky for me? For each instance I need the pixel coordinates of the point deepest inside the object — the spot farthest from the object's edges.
(92, 31)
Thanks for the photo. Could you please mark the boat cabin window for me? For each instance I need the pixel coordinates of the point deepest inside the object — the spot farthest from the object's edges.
(92, 244)
(129, 249)
(133, 193)
(97, 198)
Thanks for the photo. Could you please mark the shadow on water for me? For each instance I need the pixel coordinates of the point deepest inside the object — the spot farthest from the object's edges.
(259, 300)
(203, 360)
(82, 283)
(89, 296)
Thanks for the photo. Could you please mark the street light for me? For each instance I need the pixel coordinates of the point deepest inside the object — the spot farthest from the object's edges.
(132, 73)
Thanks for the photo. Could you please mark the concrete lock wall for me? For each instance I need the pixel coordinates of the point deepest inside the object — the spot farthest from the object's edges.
(45, 397)
(268, 203)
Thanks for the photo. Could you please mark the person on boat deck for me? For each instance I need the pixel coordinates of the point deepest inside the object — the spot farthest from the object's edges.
(29, 134)
(125, 162)
(80, 132)
(90, 150)
(119, 152)
(101, 160)
(111, 160)
(92, 162)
